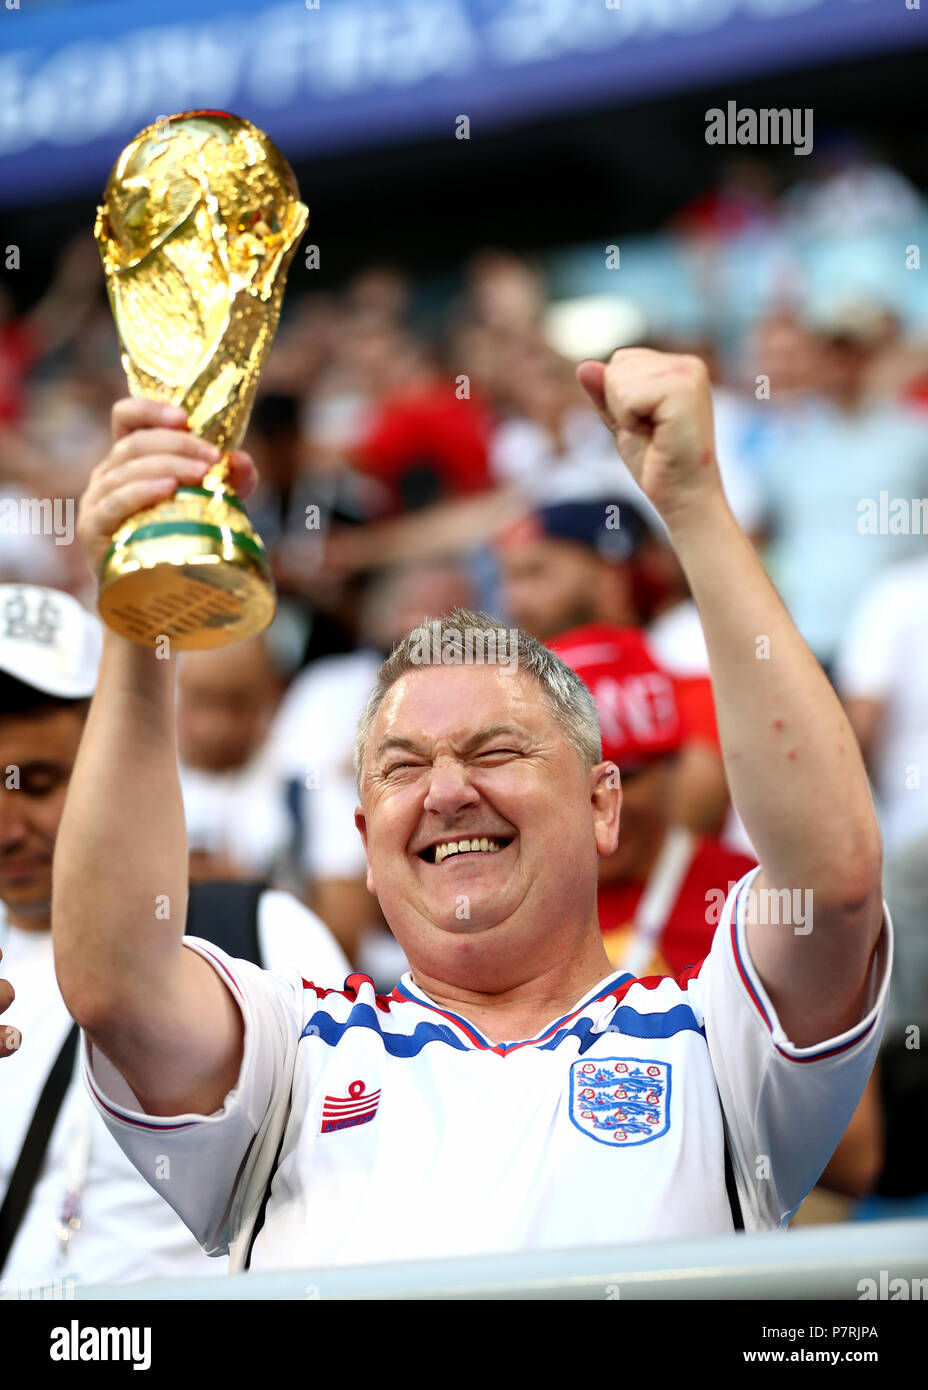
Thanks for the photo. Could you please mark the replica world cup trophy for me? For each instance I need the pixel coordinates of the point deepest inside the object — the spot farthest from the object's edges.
(200, 220)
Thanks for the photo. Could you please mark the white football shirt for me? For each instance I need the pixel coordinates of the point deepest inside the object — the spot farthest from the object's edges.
(403, 1133)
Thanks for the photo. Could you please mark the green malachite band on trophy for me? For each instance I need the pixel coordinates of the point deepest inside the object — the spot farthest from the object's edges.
(193, 528)
(228, 498)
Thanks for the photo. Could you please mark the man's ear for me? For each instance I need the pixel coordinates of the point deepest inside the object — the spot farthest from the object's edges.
(606, 799)
(361, 822)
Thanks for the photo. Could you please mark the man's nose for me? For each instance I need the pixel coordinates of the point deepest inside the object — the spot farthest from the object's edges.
(450, 790)
(13, 824)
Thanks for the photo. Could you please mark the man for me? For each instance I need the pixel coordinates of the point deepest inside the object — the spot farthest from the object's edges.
(235, 803)
(660, 892)
(89, 1216)
(827, 468)
(417, 1125)
(575, 562)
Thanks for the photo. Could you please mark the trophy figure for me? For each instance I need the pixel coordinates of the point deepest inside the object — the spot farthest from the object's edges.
(200, 220)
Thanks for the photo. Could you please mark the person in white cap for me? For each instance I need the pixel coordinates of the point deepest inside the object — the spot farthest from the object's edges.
(88, 1215)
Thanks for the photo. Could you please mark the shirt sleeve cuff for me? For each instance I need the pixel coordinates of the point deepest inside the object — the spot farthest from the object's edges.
(878, 988)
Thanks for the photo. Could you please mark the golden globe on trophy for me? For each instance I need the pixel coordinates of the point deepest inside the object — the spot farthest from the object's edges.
(200, 220)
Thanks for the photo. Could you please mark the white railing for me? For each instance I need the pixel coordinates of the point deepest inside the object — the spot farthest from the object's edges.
(818, 1262)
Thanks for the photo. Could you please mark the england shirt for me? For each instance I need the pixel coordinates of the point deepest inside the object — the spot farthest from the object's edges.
(389, 1128)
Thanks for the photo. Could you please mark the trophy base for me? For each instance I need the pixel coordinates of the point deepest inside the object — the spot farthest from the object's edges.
(196, 583)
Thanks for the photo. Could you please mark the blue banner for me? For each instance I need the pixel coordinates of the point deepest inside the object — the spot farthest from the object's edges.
(78, 80)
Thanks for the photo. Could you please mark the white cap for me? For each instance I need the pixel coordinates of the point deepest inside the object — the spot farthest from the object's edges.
(49, 641)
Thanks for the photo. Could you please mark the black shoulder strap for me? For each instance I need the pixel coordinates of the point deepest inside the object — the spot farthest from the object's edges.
(262, 1210)
(226, 913)
(35, 1143)
(731, 1187)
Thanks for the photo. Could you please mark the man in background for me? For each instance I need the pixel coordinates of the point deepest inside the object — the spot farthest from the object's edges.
(824, 470)
(661, 891)
(235, 804)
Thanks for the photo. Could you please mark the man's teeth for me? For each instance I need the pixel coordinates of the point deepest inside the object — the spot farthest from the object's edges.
(465, 847)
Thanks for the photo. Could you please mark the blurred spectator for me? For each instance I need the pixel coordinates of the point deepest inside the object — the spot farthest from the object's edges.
(506, 295)
(27, 339)
(849, 190)
(427, 436)
(825, 466)
(660, 892)
(572, 563)
(552, 445)
(743, 200)
(238, 824)
(784, 358)
(882, 676)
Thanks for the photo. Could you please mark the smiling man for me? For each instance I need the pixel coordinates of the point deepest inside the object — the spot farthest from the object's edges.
(513, 1084)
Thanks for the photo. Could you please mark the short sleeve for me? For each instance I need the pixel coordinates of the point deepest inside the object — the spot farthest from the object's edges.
(213, 1169)
(786, 1108)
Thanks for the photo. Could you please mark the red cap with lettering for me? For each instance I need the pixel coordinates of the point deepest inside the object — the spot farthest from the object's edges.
(636, 699)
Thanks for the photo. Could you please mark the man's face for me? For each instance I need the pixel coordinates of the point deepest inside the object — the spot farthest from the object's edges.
(550, 585)
(474, 752)
(39, 754)
(645, 817)
(225, 702)
(845, 364)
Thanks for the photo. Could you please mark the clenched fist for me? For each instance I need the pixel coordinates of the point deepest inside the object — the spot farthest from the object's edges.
(659, 407)
(153, 454)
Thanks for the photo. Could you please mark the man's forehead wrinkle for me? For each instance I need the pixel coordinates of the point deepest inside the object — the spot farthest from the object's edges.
(465, 740)
(513, 698)
(412, 745)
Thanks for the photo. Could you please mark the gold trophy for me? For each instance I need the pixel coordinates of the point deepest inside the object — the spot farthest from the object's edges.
(200, 220)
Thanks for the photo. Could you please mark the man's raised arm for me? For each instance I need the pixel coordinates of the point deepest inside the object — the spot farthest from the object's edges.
(792, 761)
(159, 1013)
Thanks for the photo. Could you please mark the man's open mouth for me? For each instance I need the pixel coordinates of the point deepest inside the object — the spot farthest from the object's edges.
(483, 844)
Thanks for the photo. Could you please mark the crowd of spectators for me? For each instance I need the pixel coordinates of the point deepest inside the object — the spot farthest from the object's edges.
(419, 453)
